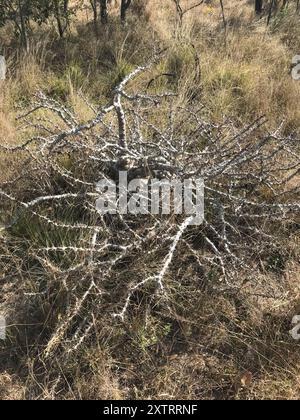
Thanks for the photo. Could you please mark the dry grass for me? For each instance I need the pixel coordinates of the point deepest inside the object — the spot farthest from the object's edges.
(10, 388)
(213, 346)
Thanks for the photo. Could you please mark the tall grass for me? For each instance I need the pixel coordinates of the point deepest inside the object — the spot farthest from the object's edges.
(211, 342)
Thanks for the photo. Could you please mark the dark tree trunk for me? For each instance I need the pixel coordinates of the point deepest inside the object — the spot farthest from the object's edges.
(94, 4)
(258, 6)
(125, 4)
(273, 2)
(62, 18)
(59, 26)
(95, 10)
(23, 29)
(103, 11)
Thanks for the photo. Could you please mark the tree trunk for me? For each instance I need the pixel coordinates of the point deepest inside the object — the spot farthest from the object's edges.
(270, 12)
(103, 11)
(95, 11)
(258, 6)
(23, 29)
(94, 4)
(59, 26)
(125, 4)
(61, 18)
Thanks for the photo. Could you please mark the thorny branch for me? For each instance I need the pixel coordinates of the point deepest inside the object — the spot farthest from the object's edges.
(251, 180)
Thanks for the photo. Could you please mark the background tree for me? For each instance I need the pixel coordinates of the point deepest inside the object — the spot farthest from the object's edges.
(258, 6)
(61, 12)
(20, 12)
(125, 4)
(103, 11)
(94, 5)
(181, 12)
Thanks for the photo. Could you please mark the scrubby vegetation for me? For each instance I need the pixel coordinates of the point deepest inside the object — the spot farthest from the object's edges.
(134, 308)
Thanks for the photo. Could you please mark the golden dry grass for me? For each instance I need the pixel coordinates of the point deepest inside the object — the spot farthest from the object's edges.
(248, 353)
